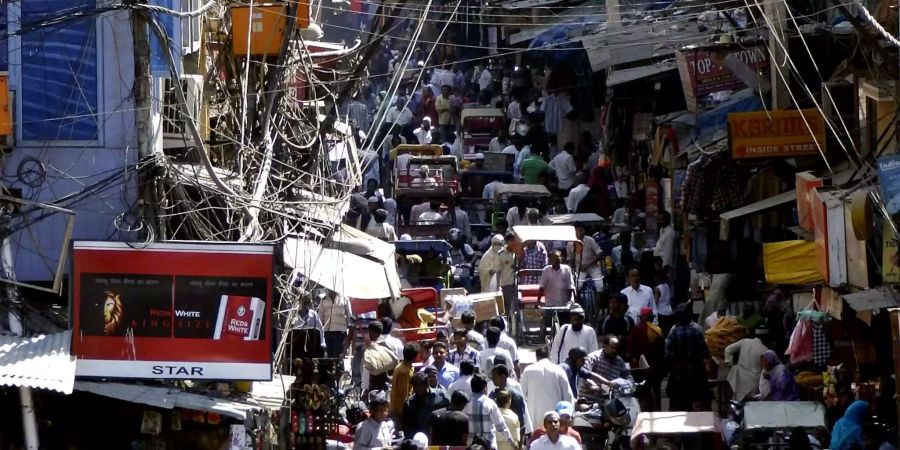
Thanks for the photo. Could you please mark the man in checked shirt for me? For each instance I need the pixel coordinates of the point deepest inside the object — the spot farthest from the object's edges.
(485, 419)
(604, 362)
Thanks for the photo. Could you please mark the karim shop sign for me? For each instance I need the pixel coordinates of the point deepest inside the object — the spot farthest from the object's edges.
(172, 310)
(785, 134)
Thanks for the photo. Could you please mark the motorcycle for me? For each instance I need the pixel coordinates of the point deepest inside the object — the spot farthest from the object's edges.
(607, 424)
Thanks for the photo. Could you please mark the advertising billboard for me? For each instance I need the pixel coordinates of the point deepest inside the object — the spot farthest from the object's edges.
(784, 133)
(702, 73)
(172, 310)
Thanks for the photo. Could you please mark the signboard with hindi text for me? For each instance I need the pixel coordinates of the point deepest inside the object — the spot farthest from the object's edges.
(172, 310)
(784, 134)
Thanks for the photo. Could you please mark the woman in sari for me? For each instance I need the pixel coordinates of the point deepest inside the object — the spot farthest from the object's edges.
(777, 382)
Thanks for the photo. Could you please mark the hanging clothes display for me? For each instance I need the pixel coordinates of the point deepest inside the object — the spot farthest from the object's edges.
(710, 186)
(821, 349)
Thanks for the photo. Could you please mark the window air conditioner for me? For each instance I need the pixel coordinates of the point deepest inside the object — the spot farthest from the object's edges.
(175, 131)
(190, 27)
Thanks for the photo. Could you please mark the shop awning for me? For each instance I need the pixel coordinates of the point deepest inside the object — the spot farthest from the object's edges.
(873, 299)
(40, 362)
(627, 75)
(170, 398)
(564, 233)
(352, 263)
(568, 219)
(791, 262)
(753, 208)
(771, 415)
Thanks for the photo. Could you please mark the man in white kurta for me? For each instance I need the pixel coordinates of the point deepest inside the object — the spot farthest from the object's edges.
(571, 335)
(544, 384)
(744, 376)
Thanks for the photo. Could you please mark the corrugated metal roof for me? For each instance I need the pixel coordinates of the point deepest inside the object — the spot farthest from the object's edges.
(40, 362)
(171, 397)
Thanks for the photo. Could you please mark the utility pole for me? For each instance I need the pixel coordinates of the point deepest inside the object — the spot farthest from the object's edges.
(613, 16)
(776, 15)
(143, 83)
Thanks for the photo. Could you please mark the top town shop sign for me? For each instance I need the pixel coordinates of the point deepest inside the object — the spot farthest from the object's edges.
(702, 72)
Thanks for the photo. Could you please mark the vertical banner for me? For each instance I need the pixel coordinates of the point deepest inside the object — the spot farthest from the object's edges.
(890, 259)
(889, 174)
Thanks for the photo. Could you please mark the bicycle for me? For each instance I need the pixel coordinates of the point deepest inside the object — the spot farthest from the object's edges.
(554, 320)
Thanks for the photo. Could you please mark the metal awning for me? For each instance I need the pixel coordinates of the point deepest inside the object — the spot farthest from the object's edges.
(767, 415)
(753, 208)
(627, 75)
(564, 233)
(873, 299)
(40, 362)
(352, 263)
(170, 398)
(569, 219)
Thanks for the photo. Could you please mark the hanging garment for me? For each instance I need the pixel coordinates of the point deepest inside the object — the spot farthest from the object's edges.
(821, 348)
(800, 347)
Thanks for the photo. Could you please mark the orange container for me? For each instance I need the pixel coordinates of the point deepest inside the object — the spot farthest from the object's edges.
(265, 29)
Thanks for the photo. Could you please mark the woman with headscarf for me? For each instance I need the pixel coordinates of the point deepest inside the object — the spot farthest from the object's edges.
(848, 431)
(777, 382)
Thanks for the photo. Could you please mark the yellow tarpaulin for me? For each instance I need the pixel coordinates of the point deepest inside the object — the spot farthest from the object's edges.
(791, 262)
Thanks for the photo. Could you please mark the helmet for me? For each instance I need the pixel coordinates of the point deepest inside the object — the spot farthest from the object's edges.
(454, 235)
(617, 413)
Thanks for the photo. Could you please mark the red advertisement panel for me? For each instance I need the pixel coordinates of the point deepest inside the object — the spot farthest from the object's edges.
(172, 310)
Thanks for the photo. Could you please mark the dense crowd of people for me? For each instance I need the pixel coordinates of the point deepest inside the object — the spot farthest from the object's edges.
(468, 387)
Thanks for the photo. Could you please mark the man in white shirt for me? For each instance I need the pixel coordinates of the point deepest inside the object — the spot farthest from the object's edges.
(475, 338)
(554, 440)
(639, 296)
(507, 343)
(433, 215)
(577, 194)
(544, 384)
(380, 228)
(572, 335)
(423, 133)
(392, 343)
(588, 262)
(665, 245)
(463, 384)
(337, 316)
(486, 79)
(564, 166)
(399, 115)
(486, 356)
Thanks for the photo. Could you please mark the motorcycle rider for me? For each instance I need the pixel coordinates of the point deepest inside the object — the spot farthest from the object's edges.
(608, 364)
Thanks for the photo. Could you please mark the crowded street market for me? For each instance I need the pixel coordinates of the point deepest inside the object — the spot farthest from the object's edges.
(506, 225)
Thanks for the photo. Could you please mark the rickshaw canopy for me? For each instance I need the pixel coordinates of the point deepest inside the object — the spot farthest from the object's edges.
(421, 246)
(417, 150)
(585, 218)
(480, 112)
(674, 422)
(545, 233)
(530, 190)
(783, 415)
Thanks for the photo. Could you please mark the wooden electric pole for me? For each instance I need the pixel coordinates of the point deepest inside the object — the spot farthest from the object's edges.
(143, 85)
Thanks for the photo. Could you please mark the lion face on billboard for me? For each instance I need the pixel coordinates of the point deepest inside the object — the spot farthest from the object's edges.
(112, 313)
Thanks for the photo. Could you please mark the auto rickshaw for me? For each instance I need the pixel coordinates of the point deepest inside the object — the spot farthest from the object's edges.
(677, 430)
(537, 195)
(480, 125)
